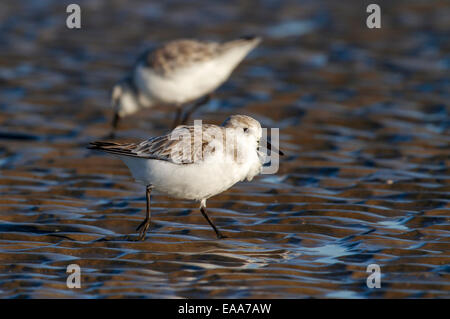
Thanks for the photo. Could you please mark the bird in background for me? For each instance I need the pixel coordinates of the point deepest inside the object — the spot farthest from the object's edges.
(176, 74)
(194, 162)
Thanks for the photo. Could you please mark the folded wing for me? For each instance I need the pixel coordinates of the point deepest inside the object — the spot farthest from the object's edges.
(181, 146)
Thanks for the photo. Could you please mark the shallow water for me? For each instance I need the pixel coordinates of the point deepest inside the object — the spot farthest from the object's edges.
(363, 117)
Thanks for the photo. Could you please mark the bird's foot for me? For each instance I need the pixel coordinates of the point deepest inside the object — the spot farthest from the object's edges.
(220, 236)
(142, 229)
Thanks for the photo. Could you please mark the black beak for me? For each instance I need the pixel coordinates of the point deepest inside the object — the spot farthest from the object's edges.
(273, 149)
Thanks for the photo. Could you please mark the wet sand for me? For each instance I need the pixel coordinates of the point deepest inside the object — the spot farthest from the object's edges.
(364, 121)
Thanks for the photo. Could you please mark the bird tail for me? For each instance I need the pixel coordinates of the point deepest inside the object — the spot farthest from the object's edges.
(251, 41)
(113, 148)
(101, 145)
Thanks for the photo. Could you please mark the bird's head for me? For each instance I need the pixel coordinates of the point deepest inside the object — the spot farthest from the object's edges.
(250, 128)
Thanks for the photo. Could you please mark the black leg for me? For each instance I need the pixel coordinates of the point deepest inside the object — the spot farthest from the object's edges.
(205, 214)
(194, 107)
(115, 124)
(177, 119)
(142, 228)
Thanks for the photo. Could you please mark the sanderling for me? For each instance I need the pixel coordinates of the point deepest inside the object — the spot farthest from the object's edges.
(179, 72)
(194, 162)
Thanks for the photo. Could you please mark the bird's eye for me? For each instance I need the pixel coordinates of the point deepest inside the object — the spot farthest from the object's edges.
(245, 129)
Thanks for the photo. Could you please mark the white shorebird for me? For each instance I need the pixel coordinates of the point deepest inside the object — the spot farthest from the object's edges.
(194, 162)
(179, 72)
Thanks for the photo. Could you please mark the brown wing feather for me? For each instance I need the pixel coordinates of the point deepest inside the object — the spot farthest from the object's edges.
(168, 147)
(180, 53)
